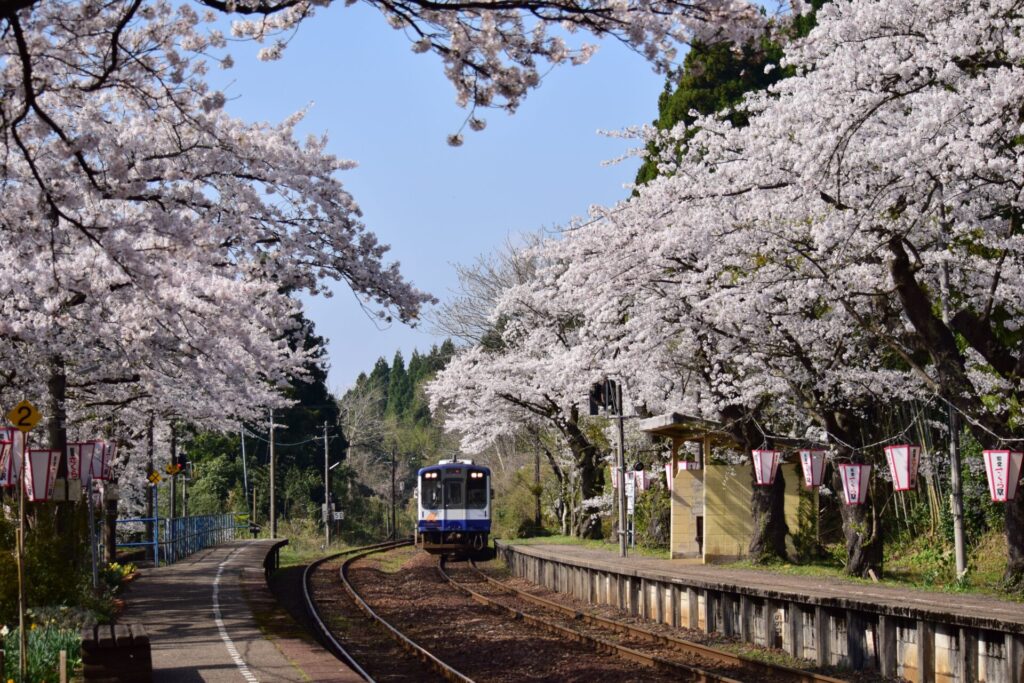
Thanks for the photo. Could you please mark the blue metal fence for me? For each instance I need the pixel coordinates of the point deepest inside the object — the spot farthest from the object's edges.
(186, 535)
(170, 540)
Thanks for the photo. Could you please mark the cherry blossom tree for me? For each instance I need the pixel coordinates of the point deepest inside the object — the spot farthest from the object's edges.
(881, 185)
(856, 244)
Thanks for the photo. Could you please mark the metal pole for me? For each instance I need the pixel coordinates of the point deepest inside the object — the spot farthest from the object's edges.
(956, 500)
(156, 525)
(327, 493)
(174, 478)
(151, 500)
(956, 497)
(245, 469)
(92, 536)
(620, 459)
(273, 508)
(22, 633)
(184, 491)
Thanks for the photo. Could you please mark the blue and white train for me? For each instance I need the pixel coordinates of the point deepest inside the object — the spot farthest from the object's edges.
(454, 515)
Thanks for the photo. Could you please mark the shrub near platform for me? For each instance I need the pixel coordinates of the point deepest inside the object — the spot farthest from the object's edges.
(44, 645)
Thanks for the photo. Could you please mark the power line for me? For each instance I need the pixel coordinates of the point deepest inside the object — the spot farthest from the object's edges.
(296, 443)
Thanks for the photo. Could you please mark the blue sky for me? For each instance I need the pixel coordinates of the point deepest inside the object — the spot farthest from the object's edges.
(391, 111)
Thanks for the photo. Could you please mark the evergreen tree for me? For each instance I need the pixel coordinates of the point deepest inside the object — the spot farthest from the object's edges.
(399, 388)
(715, 77)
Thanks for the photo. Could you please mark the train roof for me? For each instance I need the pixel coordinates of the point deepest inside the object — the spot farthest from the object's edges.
(456, 465)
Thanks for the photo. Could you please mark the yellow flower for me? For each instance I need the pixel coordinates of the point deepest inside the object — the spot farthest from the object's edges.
(32, 627)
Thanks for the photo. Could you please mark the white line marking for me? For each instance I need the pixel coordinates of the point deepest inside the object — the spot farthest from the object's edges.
(218, 618)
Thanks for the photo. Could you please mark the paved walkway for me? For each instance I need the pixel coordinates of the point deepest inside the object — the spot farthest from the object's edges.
(965, 609)
(199, 616)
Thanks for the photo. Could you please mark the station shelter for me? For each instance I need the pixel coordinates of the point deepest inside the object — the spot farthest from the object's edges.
(711, 516)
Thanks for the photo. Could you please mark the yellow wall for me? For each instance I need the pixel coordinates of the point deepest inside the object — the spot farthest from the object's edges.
(728, 526)
(687, 503)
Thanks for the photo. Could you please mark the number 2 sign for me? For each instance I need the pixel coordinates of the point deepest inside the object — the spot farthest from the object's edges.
(24, 416)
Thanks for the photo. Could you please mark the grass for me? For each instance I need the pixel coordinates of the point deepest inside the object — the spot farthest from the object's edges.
(660, 553)
(392, 561)
(922, 562)
(305, 544)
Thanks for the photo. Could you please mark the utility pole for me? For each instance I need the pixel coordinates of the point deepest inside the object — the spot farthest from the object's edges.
(174, 478)
(327, 493)
(394, 530)
(956, 496)
(22, 598)
(620, 459)
(151, 512)
(956, 500)
(245, 469)
(273, 509)
(184, 490)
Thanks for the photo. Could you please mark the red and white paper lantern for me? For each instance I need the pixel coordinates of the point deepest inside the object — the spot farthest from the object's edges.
(766, 464)
(1003, 471)
(41, 474)
(903, 460)
(855, 483)
(96, 459)
(75, 462)
(813, 464)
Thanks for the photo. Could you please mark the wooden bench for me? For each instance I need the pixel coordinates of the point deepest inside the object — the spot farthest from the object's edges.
(116, 654)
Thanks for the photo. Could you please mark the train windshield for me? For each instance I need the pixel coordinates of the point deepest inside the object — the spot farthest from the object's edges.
(453, 493)
(476, 491)
(430, 493)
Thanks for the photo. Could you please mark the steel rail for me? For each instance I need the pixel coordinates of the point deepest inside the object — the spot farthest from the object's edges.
(687, 672)
(446, 671)
(685, 646)
(332, 643)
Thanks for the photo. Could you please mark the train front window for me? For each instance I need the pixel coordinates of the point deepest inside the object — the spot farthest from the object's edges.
(453, 493)
(430, 492)
(476, 491)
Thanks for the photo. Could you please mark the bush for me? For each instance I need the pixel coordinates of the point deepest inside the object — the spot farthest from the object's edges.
(44, 645)
(652, 518)
(115, 573)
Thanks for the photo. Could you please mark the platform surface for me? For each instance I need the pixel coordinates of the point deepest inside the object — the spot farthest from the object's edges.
(199, 616)
(977, 611)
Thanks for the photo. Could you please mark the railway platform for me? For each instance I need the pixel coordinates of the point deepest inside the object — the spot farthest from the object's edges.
(205, 618)
(915, 634)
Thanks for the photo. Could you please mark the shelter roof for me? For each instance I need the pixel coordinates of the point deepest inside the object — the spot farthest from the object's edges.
(687, 428)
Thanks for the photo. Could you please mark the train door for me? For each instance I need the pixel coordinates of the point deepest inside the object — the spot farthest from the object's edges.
(454, 498)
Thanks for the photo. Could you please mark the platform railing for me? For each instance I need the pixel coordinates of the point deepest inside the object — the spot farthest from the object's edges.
(170, 540)
(183, 536)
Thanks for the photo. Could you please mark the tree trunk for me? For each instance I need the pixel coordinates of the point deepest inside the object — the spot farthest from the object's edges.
(109, 531)
(1014, 576)
(861, 530)
(863, 540)
(591, 475)
(536, 491)
(767, 503)
(767, 506)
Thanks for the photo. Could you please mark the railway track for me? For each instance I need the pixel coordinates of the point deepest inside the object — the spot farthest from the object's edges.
(690, 661)
(362, 650)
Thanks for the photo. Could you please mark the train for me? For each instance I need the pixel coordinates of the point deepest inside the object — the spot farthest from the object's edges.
(454, 508)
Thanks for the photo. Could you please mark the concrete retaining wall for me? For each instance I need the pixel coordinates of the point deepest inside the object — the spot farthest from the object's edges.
(916, 649)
